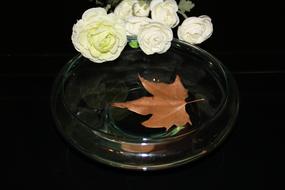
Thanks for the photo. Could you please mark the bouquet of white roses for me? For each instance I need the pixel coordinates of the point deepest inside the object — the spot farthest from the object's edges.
(101, 36)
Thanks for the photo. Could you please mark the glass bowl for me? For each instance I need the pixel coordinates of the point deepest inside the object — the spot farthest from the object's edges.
(84, 91)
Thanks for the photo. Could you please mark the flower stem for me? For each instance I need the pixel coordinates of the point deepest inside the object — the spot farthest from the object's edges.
(108, 6)
(183, 14)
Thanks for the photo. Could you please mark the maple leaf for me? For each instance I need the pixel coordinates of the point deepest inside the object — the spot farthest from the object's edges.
(137, 148)
(167, 105)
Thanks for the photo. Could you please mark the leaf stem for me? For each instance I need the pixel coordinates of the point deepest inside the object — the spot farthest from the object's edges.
(198, 100)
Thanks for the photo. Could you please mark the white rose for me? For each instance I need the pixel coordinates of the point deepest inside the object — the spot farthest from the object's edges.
(99, 36)
(155, 38)
(93, 13)
(195, 30)
(171, 3)
(125, 9)
(165, 12)
(153, 3)
(133, 24)
(141, 8)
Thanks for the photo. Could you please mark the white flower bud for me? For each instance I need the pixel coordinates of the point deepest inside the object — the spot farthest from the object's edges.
(195, 30)
(155, 37)
(141, 8)
(165, 12)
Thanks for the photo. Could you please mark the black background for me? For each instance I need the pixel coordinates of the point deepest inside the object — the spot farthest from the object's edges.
(35, 43)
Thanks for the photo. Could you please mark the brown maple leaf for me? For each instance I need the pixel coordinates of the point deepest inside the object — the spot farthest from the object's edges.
(167, 105)
(137, 147)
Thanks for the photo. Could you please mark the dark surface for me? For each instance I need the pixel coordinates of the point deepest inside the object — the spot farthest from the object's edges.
(38, 154)
(35, 155)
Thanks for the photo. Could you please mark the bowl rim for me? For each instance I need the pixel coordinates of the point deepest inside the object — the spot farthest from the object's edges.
(228, 79)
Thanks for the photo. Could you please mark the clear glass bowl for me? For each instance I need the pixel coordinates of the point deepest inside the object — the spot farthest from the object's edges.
(83, 93)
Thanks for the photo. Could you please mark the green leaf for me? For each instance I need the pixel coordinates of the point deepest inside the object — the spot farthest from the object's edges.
(113, 3)
(176, 130)
(99, 2)
(134, 44)
(185, 5)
